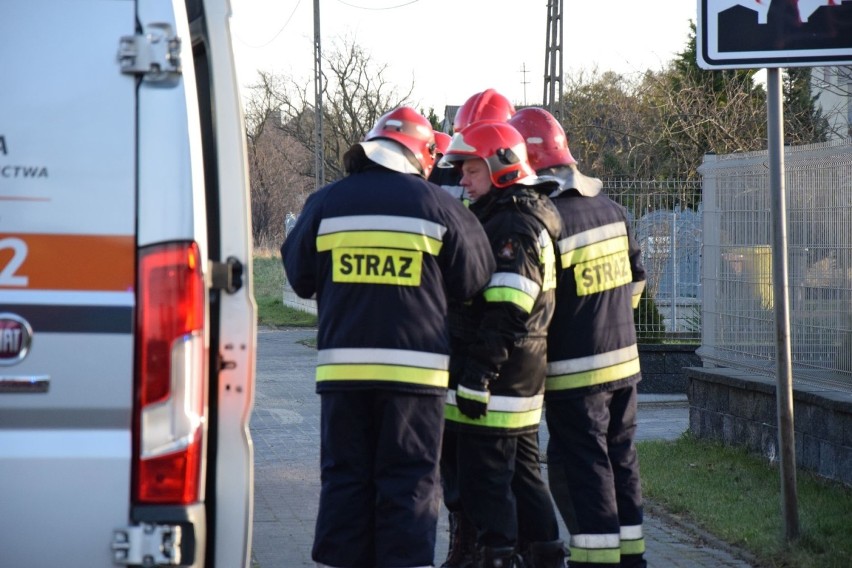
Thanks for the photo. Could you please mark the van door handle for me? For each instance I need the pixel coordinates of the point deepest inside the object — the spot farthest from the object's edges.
(24, 384)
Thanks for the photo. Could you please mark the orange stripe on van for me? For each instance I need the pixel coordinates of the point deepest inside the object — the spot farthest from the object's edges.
(67, 262)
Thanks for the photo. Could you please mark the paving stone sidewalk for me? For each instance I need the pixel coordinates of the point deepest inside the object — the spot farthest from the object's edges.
(285, 429)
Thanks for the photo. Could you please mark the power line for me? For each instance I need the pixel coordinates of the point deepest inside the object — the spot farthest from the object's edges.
(377, 9)
(278, 33)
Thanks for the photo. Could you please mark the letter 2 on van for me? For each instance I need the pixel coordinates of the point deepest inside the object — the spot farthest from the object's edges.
(127, 321)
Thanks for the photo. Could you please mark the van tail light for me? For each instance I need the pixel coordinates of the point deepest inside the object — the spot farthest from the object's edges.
(171, 360)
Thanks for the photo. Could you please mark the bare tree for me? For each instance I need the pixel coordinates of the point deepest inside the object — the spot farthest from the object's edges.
(279, 167)
(281, 135)
(694, 117)
(355, 94)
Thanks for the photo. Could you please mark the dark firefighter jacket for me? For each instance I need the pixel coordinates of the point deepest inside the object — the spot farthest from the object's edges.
(503, 330)
(384, 252)
(592, 338)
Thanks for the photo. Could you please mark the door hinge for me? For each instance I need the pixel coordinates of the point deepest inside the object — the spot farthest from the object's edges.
(227, 276)
(154, 54)
(147, 545)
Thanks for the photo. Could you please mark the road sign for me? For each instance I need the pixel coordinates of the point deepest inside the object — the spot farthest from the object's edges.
(739, 34)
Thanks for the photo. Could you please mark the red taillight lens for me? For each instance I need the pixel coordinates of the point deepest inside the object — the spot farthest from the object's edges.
(171, 364)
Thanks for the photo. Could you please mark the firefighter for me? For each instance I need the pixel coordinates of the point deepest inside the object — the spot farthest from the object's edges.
(593, 360)
(485, 105)
(383, 250)
(496, 406)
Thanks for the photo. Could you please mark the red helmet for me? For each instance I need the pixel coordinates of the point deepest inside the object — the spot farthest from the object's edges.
(409, 128)
(442, 142)
(487, 105)
(500, 145)
(547, 144)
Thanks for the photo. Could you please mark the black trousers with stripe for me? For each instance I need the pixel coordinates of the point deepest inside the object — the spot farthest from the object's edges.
(593, 467)
(380, 493)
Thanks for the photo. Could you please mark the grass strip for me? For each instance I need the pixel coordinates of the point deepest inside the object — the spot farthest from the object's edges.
(736, 496)
(268, 293)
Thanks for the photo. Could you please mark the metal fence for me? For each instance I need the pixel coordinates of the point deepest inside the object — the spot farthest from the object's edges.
(666, 220)
(738, 329)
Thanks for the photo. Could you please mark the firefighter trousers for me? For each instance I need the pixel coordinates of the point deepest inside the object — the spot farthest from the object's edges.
(593, 465)
(380, 481)
(502, 489)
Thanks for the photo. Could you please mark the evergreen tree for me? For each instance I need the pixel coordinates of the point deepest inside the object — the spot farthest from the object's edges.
(804, 122)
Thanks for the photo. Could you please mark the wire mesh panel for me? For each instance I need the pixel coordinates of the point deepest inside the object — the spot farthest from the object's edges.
(665, 218)
(738, 328)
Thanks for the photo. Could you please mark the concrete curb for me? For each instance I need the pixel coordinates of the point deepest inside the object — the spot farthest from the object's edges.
(702, 536)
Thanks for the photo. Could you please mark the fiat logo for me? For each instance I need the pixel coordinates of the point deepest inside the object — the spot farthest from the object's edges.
(15, 338)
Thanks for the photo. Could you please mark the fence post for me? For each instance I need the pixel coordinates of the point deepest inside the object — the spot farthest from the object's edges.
(710, 257)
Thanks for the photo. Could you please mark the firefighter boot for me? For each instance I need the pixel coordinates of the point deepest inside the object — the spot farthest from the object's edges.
(546, 555)
(498, 557)
(462, 542)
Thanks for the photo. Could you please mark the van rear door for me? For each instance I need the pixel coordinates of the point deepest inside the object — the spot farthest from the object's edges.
(127, 321)
(67, 281)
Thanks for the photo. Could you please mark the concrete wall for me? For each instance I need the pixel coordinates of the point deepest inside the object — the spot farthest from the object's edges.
(291, 300)
(663, 365)
(738, 408)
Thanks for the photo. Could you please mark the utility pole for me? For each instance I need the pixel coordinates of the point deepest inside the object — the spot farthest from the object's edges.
(319, 154)
(553, 58)
(524, 81)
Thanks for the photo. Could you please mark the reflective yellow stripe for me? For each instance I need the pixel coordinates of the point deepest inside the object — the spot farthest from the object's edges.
(511, 295)
(593, 370)
(377, 266)
(595, 548)
(594, 251)
(408, 233)
(503, 411)
(514, 288)
(496, 419)
(395, 373)
(591, 236)
(591, 362)
(633, 546)
(595, 556)
(596, 377)
(404, 241)
(401, 365)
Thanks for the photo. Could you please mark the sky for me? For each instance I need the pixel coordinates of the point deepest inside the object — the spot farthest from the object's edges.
(451, 49)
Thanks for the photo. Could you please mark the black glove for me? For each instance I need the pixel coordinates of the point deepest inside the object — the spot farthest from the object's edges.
(472, 395)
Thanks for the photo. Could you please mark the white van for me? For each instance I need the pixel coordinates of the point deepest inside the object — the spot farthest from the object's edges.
(127, 319)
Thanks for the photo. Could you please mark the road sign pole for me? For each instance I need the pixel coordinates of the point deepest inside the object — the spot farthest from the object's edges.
(784, 394)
